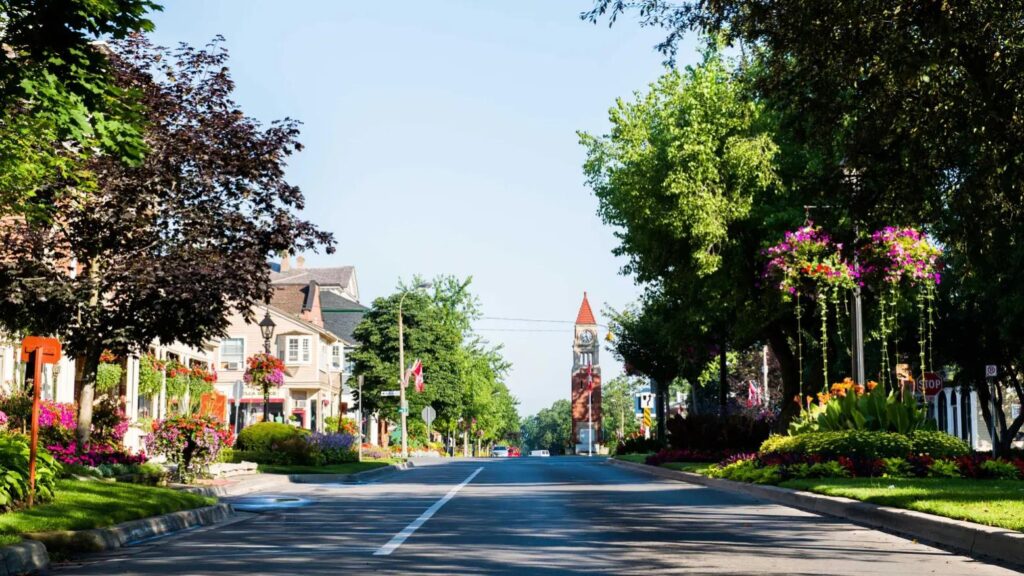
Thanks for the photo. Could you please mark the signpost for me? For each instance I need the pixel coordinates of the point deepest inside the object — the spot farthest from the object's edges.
(991, 371)
(37, 351)
(390, 393)
(236, 394)
(428, 415)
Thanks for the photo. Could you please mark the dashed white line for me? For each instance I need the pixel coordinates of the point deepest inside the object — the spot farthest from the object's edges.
(399, 538)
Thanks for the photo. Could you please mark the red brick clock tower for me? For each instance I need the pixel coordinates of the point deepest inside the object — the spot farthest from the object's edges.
(586, 380)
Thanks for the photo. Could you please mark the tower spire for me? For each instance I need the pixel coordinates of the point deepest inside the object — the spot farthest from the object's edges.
(585, 315)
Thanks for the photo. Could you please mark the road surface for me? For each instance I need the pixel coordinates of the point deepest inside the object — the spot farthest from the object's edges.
(568, 515)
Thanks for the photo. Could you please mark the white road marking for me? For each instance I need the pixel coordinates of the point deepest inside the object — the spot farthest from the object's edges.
(399, 538)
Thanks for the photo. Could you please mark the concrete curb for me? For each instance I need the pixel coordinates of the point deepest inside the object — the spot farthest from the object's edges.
(118, 535)
(28, 557)
(999, 544)
(342, 478)
(246, 485)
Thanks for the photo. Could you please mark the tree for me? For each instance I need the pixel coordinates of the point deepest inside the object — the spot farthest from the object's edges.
(165, 250)
(59, 102)
(921, 103)
(617, 397)
(550, 429)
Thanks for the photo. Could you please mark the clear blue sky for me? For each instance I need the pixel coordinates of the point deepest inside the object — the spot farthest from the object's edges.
(441, 138)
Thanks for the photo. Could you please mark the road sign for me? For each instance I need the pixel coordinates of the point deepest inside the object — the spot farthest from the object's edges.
(428, 415)
(403, 410)
(647, 417)
(991, 371)
(238, 390)
(932, 384)
(394, 393)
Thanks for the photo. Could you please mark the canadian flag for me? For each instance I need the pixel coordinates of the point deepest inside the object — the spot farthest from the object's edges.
(416, 373)
(590, 378)
(753, 394)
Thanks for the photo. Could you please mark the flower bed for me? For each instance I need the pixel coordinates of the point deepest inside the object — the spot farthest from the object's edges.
(191, 443)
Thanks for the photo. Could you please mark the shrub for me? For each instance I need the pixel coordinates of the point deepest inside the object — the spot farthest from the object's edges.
(1000, 470)
(374, 452)
(263, 436)
(192, 443)
(668, 455)
(830, 469)
(14, 459)
(332, 448)
(747, 471)
(97, 454)
(57, 420)
(944, 469)
(897, 468)
(109, 422)
(709, 432)
(638, 445)
(850, 406)
(855, 444)
(938, 444)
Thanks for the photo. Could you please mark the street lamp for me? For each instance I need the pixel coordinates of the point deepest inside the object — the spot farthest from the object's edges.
(267, 326)
(403, 407)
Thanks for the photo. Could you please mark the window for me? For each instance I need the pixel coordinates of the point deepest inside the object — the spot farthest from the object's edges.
(298, 350)
(336, 356)
(232, 354)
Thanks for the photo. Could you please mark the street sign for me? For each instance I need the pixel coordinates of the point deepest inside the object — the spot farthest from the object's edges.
(238, 390)
(393, 393)
(403, 410)
(991, 371)
(428, 415)
(932, 384)
(647, 417)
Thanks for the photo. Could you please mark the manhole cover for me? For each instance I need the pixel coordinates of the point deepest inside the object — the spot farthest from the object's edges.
(267, 502)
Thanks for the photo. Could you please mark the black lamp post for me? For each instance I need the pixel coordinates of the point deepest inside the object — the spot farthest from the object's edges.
(267, 326)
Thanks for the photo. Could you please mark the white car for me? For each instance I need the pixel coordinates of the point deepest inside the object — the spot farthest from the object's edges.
(499, 452)
(540, 453)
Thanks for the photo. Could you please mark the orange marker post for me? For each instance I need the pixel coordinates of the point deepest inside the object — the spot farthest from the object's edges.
(39, 351)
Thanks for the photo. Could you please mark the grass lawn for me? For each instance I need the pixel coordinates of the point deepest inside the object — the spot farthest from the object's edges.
(637, 458)
(993, 502)
(82, 504)
(696, 467)
(344, 468)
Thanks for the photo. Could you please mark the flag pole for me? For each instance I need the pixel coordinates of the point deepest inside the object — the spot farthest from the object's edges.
(590, 410)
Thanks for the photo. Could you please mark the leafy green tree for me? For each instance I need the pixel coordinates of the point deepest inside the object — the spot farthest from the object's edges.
(550, 429)
(617, 398)
(59, 102)
(167, 249)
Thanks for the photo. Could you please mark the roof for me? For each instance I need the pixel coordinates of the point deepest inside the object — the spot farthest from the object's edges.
(341, 315)
(292, 298)
(291, 317)
(585, 315)
(338, 276)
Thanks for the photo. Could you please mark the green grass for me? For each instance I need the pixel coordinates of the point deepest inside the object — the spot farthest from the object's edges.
(695, 467)
(344, 468)
(637, 458)
(997, 503)
(83, 504)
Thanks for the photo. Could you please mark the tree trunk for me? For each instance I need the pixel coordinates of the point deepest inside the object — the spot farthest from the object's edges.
(659, 409)
(790, 370)
(723, 382)
(88, 394)
(266, 402)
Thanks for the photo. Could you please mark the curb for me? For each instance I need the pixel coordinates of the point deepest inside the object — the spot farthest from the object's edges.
(27, 557)
(342, 478)
(246, 485)
(999, 544)
(118, 535)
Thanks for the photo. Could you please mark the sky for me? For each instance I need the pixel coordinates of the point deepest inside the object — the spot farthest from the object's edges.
(441, 138)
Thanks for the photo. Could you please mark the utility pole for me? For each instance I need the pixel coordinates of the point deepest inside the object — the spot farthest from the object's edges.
(359, 438)
(403, 405)
(857, 357)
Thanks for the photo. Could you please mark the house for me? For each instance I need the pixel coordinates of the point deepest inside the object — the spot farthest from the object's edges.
(312, 383)
(958, 412)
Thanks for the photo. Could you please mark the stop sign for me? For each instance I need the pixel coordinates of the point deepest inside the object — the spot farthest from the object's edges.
(932, 384)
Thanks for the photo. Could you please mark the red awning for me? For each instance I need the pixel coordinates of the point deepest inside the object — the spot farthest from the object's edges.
(260, 400)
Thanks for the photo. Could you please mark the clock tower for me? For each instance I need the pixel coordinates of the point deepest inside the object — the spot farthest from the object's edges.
(586, 380)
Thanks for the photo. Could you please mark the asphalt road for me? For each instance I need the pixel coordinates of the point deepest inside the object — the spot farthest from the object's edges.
(529, 516)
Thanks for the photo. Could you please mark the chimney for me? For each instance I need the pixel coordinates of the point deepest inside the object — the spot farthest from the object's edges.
(300, 262)
(286, 264)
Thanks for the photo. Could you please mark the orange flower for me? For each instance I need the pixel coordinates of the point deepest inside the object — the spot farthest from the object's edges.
(872, 384)
(823, 398)
(858, 389)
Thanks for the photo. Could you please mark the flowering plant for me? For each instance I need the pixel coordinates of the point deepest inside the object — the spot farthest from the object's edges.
(807, 257)
(264, 369)
(96, 455)
(3, 420)
(332, 448)
(192, 443)
(898, 255)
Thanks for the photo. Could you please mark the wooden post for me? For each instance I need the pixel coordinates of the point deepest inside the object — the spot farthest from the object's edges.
(37, 376)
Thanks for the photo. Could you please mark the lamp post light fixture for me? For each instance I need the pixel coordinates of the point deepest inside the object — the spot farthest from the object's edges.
(402, 381)
(267, 327)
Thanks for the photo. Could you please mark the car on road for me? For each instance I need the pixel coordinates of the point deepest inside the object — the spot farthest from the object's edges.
(540, 453)
(499, 452)
(513, 452)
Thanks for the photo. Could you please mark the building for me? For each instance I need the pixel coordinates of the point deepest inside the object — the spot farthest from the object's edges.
(586, 381)
(958, 412)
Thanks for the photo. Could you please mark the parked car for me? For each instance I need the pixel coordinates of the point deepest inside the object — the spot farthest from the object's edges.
(540, 453)
(499, 452)
(513, 452)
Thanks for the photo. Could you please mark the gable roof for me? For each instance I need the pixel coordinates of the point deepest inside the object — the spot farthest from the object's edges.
(341, 315)
(337, 276)
(585, 315)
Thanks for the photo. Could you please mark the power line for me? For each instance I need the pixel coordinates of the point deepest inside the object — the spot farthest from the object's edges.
(517, 330)
(538, 320)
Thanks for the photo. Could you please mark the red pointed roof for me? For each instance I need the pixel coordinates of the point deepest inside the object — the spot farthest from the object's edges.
(586, 315)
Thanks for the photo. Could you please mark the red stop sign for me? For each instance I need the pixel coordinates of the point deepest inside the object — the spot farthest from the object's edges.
(932, 384)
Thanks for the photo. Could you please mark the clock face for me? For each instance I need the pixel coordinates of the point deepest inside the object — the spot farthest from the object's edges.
(587, 337)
